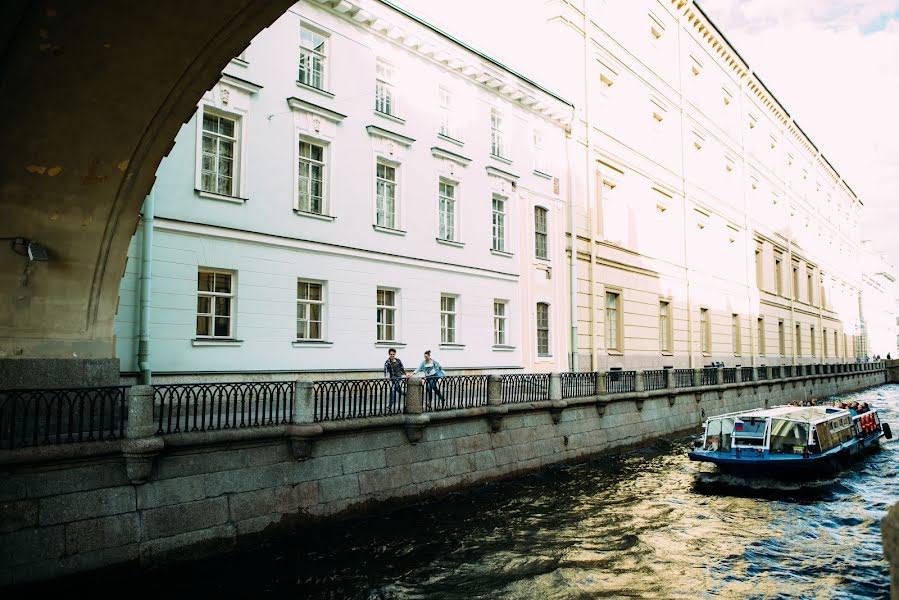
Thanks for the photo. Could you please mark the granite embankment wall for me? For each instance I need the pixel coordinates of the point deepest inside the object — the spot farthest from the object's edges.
(148, 498)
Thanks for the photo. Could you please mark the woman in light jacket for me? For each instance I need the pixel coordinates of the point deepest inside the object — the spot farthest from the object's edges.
(432, 370)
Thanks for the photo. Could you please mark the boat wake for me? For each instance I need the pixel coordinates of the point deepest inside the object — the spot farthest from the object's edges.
(729, 484)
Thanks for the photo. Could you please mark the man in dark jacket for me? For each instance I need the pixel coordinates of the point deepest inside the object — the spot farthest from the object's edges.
(395, 372)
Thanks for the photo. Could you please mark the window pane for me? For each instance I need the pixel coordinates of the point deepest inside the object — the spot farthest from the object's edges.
(203, 325)
(204, 304)
(222, 283)
(204, 281)
(221, 326)
(222, 307)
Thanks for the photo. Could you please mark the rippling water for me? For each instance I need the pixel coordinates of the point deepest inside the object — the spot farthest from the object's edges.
(648, 524)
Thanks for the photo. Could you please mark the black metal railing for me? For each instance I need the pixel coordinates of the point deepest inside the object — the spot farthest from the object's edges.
(336, 400)
(683, 378)
(619, 382)
(455, 391)
(709, 376)
(730, 375)
(809, 369)
(579, 385)
(525, 387)
(656, 379)
(763, 373)
(776, 372)
(62, 416)
(193, 407)
(788, 370)
(745, 374)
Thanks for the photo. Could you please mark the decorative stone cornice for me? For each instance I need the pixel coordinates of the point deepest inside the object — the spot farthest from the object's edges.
(321, 111)
(390, 135)
(241, 84)
(438, 152)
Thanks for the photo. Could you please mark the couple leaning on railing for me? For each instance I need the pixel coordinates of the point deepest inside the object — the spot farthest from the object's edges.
(394, 370)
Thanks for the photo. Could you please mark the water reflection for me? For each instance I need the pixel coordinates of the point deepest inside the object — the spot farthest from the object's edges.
(649, 524)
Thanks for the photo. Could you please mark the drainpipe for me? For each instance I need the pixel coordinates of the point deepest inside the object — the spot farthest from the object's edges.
(146, 272)
(572, 285)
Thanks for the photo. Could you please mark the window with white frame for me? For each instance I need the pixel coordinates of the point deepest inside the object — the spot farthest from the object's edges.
(387, 313)
(215, 304)
(705, 334)
(311, 177)
(219, 154)
(665, 326)
(385, 100)
(446, 211)
(447, 319)
(386, 185)
(813, 344)
(761, 335)
(613, 321)
(496, 133)
(312, 58)
(541, 236)
(499, 322)
(540, 162)
(798, 340)
(735, 333)
(542, 329)
(448, 125)
(310, 310)
(499, 224)
(781, 338)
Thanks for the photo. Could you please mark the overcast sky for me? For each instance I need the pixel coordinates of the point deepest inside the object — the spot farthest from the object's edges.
(834, 64)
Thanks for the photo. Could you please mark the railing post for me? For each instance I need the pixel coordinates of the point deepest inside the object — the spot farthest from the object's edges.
(755, 373)
(555, 386)
(697, 377)
(769, 373)
(140, 446)
(414, 421)
(719, 376)
(600, 383)
(302, 429)
(639, 382)
(303, 403)
(495, 409)
(738, 375)
(671, 379)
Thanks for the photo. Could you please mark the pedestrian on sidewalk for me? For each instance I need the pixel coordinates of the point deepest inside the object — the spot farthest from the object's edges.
(395, 372)
(432, 371)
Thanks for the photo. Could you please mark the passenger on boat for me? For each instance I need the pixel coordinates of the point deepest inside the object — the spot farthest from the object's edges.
(853, 408)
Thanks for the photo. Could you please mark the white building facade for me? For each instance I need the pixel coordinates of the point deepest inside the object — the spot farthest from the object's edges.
(357, 181)
(878, 304)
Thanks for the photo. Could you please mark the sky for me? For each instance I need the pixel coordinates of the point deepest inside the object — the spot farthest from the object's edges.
(833, 64)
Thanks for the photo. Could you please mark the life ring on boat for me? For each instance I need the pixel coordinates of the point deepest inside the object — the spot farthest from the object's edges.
(887, 432)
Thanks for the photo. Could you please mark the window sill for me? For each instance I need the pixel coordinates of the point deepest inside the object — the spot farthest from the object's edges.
(324, 93)
(615, 353)
(390, 117)
(215, 342)
(389, 230)
(312, 215)
(544, 357)
(222, 197)
(542, 262)
(667, 353)
(502, 159)
(451, 140)
(239, 62)
(310, 343)
(453, 243)
(451, 346)
(706, 353)
(542, 174)
(390, 345)
(501, 253)
(503, 348)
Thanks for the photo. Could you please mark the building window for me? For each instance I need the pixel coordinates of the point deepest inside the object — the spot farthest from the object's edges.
(385, 101)
(798, 339)
(496, 133)
(447, 319)
(735, 333)
(386, 319)
(219, 161)
(499, 322)
(448, 126)
(447, 211)
(542, 329)
(705, 332)
(761, 334)
(778, 273)
(310, 310)
(499, 224)
(759, 269)
(796, 282)
(825, 342)
(813, 343)
(836, 346)
(312, 58)
(215, 304)
(810, 281)
(781, 338)
(665, 326)
(311, 178)
(613, 322)
(540, 163)
(540, 233)
(386, 195)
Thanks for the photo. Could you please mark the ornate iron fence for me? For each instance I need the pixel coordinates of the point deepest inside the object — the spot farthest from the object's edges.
(356, 398)
(525, 387)
(730, 375)
(455, 391)
(193, 407)
(656, 379)
(776, 372)
(709, 376)
(62, 416)
(618, 382)
(763, 373)
(746, 374)
(578, 385)
(683, 378)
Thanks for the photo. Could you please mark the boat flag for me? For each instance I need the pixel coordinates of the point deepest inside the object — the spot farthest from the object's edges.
(738, 425)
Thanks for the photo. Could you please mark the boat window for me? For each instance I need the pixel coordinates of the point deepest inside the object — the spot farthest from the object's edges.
(788, 437)
(750, 432)
(718, 435)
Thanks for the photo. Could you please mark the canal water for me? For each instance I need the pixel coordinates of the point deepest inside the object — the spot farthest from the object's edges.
(646, 524)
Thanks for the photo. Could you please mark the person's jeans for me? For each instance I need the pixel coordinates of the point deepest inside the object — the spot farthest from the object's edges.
(431, 383)
(396, 388)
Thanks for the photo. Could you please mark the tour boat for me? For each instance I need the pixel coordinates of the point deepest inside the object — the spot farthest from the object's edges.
(788, 439)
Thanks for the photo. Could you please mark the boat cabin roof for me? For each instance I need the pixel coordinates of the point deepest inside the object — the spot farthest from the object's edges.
(808, 414)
